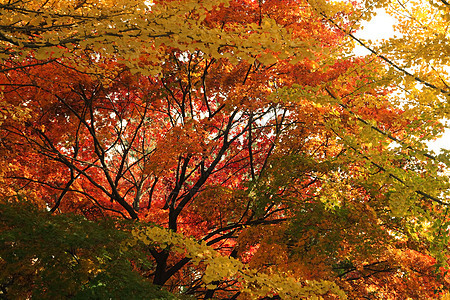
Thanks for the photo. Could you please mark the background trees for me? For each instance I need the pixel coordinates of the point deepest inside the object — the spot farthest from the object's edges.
(279, 165)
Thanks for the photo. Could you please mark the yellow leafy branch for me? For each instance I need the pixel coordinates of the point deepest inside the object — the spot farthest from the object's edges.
(218, 267)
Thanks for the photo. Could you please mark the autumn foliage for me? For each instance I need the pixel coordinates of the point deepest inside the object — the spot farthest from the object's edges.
(216, 150)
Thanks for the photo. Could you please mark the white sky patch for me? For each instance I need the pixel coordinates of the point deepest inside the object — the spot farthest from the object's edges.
(442, 142)
(381, 27)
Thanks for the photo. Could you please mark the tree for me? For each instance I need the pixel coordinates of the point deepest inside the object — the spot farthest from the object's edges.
(71, 257)
(242, 127)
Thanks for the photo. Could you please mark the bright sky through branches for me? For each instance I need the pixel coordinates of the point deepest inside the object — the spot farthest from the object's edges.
(382, 27)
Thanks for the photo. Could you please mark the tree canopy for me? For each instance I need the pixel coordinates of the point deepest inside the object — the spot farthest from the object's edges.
(226, 149)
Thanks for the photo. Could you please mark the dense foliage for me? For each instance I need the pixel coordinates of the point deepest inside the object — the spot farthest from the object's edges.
(66, 256)
(221, 149)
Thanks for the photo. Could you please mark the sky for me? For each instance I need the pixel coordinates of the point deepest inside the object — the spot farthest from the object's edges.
(381, 27)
